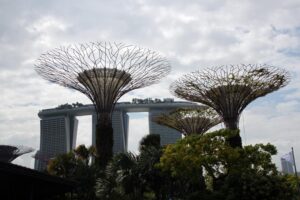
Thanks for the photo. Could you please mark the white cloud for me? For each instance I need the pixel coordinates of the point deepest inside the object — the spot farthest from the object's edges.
(46, 24)
(288, 107)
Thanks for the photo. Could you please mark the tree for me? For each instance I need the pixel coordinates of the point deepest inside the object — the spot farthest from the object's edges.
(229, 89)
(230, 173)
(104, 72)
(294, 182)
(157, 184)
(190, 121)
(151, 140)
(75, 166)
(121, 179)
(130, 176)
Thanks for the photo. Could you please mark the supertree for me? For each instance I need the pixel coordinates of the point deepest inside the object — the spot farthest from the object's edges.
(229, 89)
(8, 153)
(104, 72)
(190, 121)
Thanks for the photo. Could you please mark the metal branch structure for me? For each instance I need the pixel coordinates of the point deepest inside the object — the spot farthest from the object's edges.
(229, 89)
(190, 121)
(8, 153)
(104, 72)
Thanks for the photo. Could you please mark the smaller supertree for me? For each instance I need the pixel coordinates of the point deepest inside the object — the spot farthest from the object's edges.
(8, 153)
(229, 89)
(190, 121)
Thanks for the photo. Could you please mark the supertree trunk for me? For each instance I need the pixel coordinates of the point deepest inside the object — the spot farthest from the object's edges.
(104, 140)
(236, 140)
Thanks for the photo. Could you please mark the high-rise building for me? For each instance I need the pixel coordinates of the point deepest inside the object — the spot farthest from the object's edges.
(287, 167)
(167, 135)
(58, 126)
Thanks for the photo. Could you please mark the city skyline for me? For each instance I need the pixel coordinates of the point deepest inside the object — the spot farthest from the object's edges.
(192, 36)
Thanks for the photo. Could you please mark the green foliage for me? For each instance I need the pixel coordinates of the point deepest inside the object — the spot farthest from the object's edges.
(63, 165)
(121, 179)
(230, 173)
(69, 106)
(130, 176)
(209, 151)
(151, 140)
(255, 186)
(196, 167)
(76, 166)
(294, 182)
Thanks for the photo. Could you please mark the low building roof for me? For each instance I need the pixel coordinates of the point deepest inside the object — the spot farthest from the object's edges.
(18, 182)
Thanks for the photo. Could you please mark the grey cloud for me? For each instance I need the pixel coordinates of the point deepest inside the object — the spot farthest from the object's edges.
(191, 35)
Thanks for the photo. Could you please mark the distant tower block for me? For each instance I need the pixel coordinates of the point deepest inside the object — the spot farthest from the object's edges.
(287, 167)
(167, 135)
(58, 135)
(120, 121)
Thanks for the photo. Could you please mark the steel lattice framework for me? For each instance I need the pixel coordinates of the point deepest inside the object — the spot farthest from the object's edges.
(229, 89)
(8, 153)
(190, 121)
(104, 72)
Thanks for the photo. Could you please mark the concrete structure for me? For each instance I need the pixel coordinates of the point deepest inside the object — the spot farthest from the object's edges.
(58, 126)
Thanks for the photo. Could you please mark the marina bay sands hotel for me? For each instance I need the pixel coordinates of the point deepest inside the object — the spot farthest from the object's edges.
(58, 126)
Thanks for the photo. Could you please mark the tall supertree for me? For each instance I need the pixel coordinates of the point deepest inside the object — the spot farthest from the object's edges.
(190, 121)
(229, 89)
(8, 153)
(104, 72)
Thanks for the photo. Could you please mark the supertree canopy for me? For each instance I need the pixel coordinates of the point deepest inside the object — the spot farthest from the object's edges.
(229, 89)
(8, 153)
(104, 72)
(190, 121)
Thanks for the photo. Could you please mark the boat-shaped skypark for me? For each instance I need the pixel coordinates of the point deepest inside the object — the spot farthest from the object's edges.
(58, 126)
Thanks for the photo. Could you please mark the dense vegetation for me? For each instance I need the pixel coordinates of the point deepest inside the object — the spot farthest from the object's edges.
(196, 167)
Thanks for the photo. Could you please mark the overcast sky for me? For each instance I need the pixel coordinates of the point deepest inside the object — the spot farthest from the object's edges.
(192, 34)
